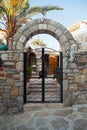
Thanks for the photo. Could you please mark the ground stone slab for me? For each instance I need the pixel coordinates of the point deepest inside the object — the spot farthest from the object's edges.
(21, 127)
(80, 124)
(6, 119)
(43, 128)
(30, 123)
(29, 129)
(11, 127)
(41, 122)
(82, 109)
(41, 114)
(73, 116)
(63, 112)
(84, 115)
(5, 128)
(59, 123)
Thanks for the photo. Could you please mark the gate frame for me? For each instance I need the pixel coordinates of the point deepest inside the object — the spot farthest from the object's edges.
(43, 78)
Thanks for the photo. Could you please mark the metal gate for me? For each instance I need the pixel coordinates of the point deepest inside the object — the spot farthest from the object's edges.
(45, 84)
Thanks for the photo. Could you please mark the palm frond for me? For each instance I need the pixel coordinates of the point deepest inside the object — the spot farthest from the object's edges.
(38, 42)
(2, 9)
(37, 9)
(23, 9)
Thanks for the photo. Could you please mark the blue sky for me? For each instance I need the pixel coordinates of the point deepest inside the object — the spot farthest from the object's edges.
(74, 10)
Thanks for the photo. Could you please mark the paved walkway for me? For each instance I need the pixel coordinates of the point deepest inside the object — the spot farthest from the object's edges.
(47, 117)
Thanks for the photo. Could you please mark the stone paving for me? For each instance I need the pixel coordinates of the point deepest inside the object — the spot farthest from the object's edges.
(47, 117)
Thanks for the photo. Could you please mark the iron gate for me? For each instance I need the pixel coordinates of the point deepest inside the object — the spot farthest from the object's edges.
(45, 84)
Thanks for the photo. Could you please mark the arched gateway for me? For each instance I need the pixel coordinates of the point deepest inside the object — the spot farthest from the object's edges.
(59, 32)
(12, 62)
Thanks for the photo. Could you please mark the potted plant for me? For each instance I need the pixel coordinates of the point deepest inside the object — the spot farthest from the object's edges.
(3, 47)
(56, 74)
(28, 72)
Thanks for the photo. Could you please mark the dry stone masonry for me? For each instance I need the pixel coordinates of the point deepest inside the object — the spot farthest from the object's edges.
(74, 72)
(11, 81)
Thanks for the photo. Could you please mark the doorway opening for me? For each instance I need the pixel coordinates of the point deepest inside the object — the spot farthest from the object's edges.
(43, 76)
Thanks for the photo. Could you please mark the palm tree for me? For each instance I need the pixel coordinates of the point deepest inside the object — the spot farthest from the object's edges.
(38, 42)
(13, 14)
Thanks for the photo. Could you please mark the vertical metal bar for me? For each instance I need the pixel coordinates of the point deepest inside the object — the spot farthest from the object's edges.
(24, 77)
(43, 80)
(0, 61)
(61, 77)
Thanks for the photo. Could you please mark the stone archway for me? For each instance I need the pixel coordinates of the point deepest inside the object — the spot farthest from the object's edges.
(58, 31)
(45, 26)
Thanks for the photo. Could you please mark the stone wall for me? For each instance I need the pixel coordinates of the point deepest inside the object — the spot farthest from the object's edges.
(12, 85)
(75, 80)
(11, 81)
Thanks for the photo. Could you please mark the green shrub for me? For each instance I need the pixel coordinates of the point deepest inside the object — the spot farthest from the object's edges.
(28, 71)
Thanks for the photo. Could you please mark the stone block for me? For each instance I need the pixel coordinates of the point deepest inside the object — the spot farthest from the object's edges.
(1, 109)
(21, 56)
(10, 81)
(21, 76)
(13, 110)
(19, 67)
(73, 87)
(71, 41)
(16, 76)
(16, 57)
(21, 91)
(1, 91)
(63, 39)
(83, 78)
(67, 71)
(34, 28)
(51, 28)
(64, 76)
(14, 91)
(69, 36)
(71, 81)
(65, 63)
(22, 38)
(65, 84)
(59, 32)
(6, 95)
(77, 78)
(4, 56)
(82, 86)
(73, 66)
(75, 70)
(67, 98)
(9, 63)
(26, 33)
(20, 101)
(19, 45)
(85, 71)
(42, 26)
(16, 36)
(81, 59)
(76, 97)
